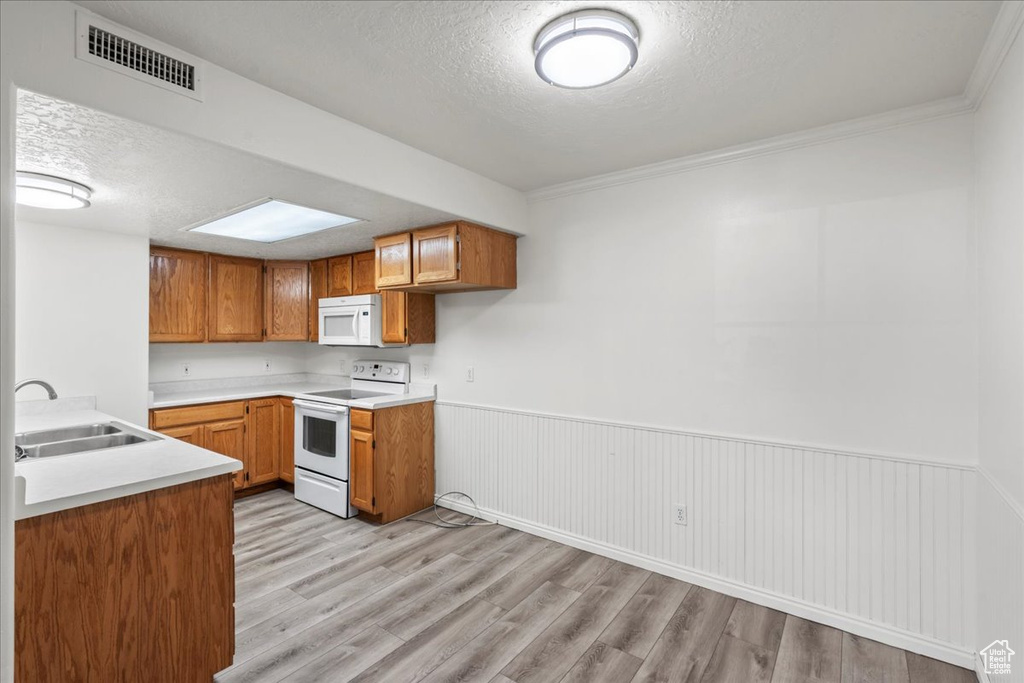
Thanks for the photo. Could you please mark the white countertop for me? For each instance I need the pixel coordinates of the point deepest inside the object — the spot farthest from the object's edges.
(63, 482)
(418, 393)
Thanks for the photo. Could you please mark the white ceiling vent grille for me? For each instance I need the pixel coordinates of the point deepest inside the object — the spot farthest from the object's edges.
(119, 49)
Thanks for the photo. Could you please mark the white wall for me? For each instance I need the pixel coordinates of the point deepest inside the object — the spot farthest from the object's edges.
(82, 320)
(821, 295)
(216, 361)
(999, 160)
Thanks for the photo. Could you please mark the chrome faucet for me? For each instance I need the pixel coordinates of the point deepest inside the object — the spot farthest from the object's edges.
(44, 385)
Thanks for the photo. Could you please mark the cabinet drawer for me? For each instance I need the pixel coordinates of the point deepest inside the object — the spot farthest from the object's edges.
(361, 419)
(185, 415)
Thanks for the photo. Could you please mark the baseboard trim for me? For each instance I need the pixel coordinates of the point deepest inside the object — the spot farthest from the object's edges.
(979, 670)
(889, 635)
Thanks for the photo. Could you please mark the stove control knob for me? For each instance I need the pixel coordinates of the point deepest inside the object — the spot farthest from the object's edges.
(390, 371)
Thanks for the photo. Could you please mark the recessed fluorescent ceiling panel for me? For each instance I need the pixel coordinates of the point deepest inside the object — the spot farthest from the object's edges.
(273, 221)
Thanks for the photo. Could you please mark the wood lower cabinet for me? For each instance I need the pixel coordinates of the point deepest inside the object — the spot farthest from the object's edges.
(228, 438)
(177, 295)
(260, 433)
(287, 466)
(456, 256)
(286, 295)
(407, 317)
(391, 460)
(236, 299)
(317, 291)
(264, 445)
(140, 588)
(361, 470)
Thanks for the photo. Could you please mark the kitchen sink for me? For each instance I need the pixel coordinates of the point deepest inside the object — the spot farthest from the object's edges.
(64, 434)
(78, 439)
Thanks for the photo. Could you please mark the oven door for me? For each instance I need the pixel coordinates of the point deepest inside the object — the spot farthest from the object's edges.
(321, 438)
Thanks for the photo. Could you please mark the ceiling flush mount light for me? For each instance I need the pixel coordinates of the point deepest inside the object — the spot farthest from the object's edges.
(50, 192)
(586, 49)
(272, 220)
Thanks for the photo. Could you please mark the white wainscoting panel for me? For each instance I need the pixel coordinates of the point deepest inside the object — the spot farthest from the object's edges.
(1000, 568)
(871, 544)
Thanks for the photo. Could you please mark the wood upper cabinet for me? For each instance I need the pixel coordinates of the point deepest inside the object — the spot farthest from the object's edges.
(286, 299)
(228, 438)
(236, 299)
(393, 260)
(408, 317)
(361, 464)
(456, 256)
(317, 291)
(391, 460)
(364, 276)
(287, 464)
(435, 254)
(177, 295)
(339, 276)
(264, 445)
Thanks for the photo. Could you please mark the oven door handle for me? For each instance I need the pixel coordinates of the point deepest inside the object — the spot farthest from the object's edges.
(320, 408)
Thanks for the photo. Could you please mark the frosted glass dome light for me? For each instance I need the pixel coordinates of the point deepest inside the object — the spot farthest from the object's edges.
(586, 49)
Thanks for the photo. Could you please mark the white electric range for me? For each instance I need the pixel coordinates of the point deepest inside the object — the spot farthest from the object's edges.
(322, 433)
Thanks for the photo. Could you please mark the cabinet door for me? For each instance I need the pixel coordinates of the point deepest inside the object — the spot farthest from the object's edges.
(339, 276)
(393, 260)
(264, 447)
(177, 295)
(317, 291)
(192, 435)
(286, 294)
(236, 299)
(360, 477)
(393, 315)
(228, 438)
(364, 278)
(287, 466)
(435, 254)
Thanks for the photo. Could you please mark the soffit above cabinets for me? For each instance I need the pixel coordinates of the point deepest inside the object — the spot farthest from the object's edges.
(151, 182)
(456, 78)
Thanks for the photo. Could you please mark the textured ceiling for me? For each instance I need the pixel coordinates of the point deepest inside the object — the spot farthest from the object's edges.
(147, 181)
(456, 78)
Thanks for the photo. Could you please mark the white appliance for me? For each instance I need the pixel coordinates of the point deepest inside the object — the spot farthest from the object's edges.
(351, 321)
(322, 433)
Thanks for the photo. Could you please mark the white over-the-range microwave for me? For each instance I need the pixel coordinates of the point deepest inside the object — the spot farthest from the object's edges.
(352, 321)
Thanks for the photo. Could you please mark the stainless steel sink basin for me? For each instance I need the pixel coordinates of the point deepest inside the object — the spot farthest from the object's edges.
(93, 443)
(64, 434)
(78, 439)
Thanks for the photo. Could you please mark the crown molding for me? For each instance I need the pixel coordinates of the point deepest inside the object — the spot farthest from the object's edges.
(929, 111)
(1004, 31)
(1000, 39)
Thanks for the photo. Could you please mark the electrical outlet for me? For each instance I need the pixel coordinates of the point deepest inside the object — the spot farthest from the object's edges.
(266, 365)
(680, 515)
(470, 373)
(341, 367)
(426, 370)
(186, 370)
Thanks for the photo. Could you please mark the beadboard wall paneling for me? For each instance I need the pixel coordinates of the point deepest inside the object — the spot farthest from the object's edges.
(1000, 568)
(871, 544)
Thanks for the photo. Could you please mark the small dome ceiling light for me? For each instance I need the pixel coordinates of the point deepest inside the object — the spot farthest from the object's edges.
(50, 192)
(585, 49)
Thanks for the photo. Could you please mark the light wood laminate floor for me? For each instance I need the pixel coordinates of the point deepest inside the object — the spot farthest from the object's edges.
(320, 598)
